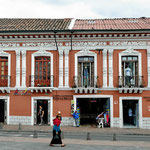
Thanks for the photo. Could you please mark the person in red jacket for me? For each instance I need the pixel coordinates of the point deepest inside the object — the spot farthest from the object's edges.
(56, 132)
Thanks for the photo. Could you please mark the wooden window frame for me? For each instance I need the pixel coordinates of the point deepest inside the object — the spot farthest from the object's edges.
(42, 79)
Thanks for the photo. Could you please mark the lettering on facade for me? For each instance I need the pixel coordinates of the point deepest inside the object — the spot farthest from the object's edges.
(147, 98)
(62, 97)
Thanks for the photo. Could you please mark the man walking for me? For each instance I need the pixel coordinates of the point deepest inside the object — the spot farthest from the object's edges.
(76, 118)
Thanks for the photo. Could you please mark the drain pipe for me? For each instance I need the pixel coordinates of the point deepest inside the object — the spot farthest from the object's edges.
(55, 40)
(71, 39)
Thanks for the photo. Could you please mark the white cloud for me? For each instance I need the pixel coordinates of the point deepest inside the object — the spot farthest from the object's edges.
(73, 8)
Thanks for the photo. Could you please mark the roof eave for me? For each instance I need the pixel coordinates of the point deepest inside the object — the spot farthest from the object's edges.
(76, 30)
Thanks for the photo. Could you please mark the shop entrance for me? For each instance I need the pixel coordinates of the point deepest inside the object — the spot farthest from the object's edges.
(130, 113)
(2, 111)
(44, 104)
(90, 108)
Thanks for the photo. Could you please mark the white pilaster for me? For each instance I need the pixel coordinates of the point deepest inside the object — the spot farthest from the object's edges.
(17, 68)
(60, 68)
(23, 68)
(148, 66)
(66, 68)
(105, 68)
(110, 67)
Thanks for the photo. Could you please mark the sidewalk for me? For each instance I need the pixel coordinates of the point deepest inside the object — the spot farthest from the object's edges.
(81, 129)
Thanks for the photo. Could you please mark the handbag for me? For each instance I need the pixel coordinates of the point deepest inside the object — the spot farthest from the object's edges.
(56, 137)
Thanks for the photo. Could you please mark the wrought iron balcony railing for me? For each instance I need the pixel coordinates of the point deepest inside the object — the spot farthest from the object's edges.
(86, 82)
(41, 81)
(131, 81)
(4, 81)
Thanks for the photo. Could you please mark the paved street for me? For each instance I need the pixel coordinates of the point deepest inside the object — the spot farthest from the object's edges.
(15, 143)
(75, 138)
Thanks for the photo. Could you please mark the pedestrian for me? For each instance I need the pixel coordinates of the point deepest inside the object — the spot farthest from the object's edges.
(100, 120)
(76, 118)
(41, 114)
(130, 116)
(56, 132)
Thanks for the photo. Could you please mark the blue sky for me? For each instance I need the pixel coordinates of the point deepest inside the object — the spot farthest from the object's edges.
(74, 8)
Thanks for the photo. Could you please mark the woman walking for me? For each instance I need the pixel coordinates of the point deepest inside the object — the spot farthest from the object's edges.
(57, 132)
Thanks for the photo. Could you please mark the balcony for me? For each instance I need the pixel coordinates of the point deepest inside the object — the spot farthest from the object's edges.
(41, 83)
(86, 85)
(5, 83)
(131, 84)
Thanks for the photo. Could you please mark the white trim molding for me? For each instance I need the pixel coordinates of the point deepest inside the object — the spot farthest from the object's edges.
(85, 52)
(17, 68)
(97, 96)
(23, 52)
(61, 54)
(4, 54)
(66, 52)
(110, 51)
(121, 109)
(41, 52)
(104, 68)
(148, 66)
(51, 108)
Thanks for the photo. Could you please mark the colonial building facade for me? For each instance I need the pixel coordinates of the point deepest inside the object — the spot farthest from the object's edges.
(93, 66)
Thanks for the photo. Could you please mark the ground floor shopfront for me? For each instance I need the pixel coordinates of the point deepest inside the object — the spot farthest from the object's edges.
(15, 109)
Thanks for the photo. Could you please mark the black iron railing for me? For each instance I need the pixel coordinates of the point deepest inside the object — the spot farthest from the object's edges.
(131, 81)
(41, 81)
(80, 81)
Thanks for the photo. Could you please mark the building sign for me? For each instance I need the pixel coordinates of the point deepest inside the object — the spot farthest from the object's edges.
(62, 97)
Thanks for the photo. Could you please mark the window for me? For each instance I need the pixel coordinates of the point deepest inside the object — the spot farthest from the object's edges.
(130, 70)
(85, 71)
(42, 71)
(3, 71)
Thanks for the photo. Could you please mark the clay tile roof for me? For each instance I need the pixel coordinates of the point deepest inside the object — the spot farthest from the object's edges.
(7, 24)
(112, 24)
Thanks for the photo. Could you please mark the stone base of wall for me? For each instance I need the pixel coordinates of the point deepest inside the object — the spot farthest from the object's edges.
(116, 122)
(145, 123)
(24, 120)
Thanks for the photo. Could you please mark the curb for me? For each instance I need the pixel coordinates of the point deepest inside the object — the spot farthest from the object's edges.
(73, 132)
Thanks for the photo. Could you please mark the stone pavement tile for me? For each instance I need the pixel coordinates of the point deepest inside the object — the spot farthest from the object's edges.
(80, 129)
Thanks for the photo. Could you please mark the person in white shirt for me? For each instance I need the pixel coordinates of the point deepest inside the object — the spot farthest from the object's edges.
(130, 114)
(128, 74)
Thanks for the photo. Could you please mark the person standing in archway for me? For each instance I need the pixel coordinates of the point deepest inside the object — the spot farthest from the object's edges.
(41, 114)
(76, 118)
